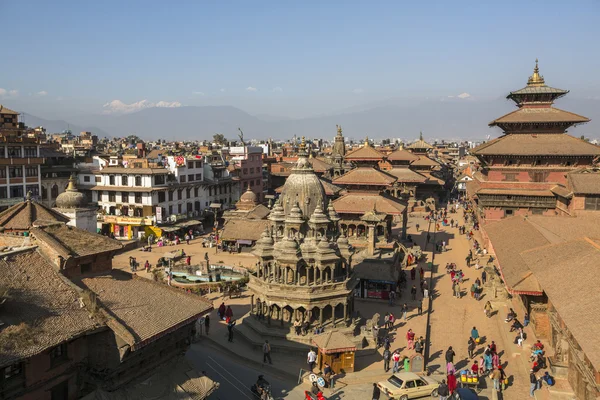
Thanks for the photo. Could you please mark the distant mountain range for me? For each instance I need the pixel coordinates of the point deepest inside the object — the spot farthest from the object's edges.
(450, 118)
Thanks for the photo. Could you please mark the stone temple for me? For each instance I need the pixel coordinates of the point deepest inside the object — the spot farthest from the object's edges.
(305, 266)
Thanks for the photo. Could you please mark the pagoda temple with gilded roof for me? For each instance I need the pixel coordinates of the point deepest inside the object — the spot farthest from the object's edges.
(525, 171)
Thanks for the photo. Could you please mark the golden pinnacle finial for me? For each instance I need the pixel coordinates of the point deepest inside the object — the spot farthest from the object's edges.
(421, 135)
(367, 141)
(72, 183)
(339, 130)
(536, 79)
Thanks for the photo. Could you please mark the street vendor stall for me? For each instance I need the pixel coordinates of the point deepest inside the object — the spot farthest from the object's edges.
(337, 350)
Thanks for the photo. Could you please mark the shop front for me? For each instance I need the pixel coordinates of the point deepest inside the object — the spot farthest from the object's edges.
(376, 279)
(125, 228)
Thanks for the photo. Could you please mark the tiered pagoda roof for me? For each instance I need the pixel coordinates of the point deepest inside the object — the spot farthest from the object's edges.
(363, 202)
(365, 176)
(537, 145)
(402, 155)
(365, 153)
(535, 113)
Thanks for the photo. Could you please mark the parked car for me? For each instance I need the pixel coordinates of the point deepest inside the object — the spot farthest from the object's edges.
(464, 394)
(408, 385)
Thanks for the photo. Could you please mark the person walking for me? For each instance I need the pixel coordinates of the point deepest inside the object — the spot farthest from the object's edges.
(396, 361)
(457, 292)
(207, 323)
(483, 276)
(228, 314)
(475, 334)
(387, 356)
(443, 390)
(410, 339)
(413, 292)
(533, 381)
(450, 355)
(404, 311)
(230, 326)
(267, 352)
(311, 359)
(376, 392)
(452, 384)
(488, 309)
(496, 375)
(419, 307)
(419, 344)
(471, 347)
(386, 320)
(391, 321)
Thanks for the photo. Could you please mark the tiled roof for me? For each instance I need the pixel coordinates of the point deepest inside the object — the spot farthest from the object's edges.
(576, 299)
(365, 152)
(539, 90)
(402, 155)
(22, 215)
(71, 241)
(541, 114)
(145, 308)
(582, 182)
(175, 380)
(516, 192)
(362, 202)
(43, 301)
(243, 229)
(425, 161)
(365, 176)
(537, 145)
(406, 175)
(333, 340)
(320, 165)
(562, 191)
(506, 237)
(419, 144)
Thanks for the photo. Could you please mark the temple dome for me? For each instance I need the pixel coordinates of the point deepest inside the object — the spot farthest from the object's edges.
(303, 187)
(71, 198)
(248, 200)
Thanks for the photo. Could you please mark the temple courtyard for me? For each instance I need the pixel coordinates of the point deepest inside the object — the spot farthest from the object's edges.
(445, 321)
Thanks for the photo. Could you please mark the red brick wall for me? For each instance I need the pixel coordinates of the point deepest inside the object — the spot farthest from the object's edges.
(493, 214)
(38, 371)
(577, 203)
(541, 323)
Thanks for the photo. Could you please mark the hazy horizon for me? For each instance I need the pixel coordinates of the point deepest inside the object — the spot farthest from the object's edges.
(287, 60)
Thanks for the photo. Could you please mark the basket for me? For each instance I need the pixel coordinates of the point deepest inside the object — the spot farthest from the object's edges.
(477, 340)
(506, 381)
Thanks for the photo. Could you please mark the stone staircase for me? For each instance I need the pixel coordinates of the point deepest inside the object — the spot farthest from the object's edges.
(282, 339)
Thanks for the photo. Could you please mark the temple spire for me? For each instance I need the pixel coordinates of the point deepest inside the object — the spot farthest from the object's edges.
(536, 79)
(421, 135)
(339, 130)
(367, 141)
(72, 187)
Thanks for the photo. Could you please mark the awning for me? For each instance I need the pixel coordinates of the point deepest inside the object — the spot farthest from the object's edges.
(216, 205)
(185, 224)
(242, 241)
(169, 228)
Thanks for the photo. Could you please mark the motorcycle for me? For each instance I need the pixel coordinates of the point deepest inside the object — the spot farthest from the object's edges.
(265, 387)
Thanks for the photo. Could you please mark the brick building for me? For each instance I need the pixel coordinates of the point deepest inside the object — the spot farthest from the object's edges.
(73, 327)
(525, 170)
(553, 276)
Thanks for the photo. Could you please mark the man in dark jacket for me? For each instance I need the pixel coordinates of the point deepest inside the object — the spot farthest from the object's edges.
(450, 355)
(387, 355)
(533, 381)
(376, 392)
(443, 390)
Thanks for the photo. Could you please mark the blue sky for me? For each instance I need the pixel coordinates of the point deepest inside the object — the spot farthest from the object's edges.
(288, 58)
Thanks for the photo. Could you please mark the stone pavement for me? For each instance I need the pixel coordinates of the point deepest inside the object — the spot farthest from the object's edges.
(194, 249)
(450, 319)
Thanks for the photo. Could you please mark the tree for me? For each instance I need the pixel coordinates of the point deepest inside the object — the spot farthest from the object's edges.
(219, 138)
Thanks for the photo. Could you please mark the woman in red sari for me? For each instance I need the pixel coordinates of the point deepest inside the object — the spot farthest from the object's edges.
(451, 383)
